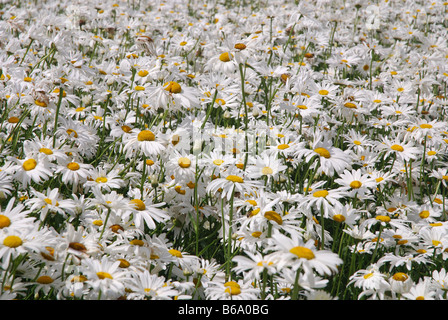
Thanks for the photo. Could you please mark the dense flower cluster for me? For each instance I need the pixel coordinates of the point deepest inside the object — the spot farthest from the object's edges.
(223, 149)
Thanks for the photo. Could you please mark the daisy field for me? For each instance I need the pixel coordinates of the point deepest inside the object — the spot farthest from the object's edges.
(223, 150)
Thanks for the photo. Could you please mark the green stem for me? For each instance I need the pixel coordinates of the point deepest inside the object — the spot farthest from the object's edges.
(58, 107)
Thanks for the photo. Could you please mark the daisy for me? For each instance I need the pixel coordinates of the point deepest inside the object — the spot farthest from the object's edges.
(266, 165)
(223, 62)
(145, 212)
(73, 172)
(82, 135)
(146, 286)
(346, 214)
(104, 179)
(434, 238)
(49, 202)
(326, 199)
(408, 260)
(331, 159)
(440, 279)
(78, 243)
(231, 290)
(17, 241)
(48, 280)
(105, 277)
(293, 252)
(254, 264)
(323, 90)
(421, 291)
(356, 183)
(404, 150)
(370, 279)
(286, 279)
(144, 141)
(15, 215)
(5, 184)
(174, 95)
(182, 166)
(111, 200)
(31, 169)
(357, 141)
(232, 183)
(45, 149)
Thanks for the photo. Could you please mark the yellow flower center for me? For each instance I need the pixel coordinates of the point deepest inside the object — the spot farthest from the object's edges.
(71, 131)
(103, 275)
(12, 241)
(252, 202)
(283, 146)
(40, 103)
(46, 151)
(339, 218)
(124, 263)
(73, 166)
(146, 135)
(350, 105)
(13, 120)
(126, 128)
(143, 73)
(266, 171)
(77, 246)
(323, 152)
(29, 164)
(382, 218)
(137, 242)
(225, 56)
(323, 92)
(173, 87)
(101, 180)
(218, 162)
(273, 216)
(232, 288)
(184, 162)
(139, 88)
(175, 253)
(138, 204)
(424, 214)
(356, 184)
(303, 252)
(435, 243)
(240, 46)
(256, 234)
(320, 194)
(4, 221)
(44, 280)
(425, 126)
(234, 178)
(400, 276)
(116, 228)
(397, 147)
(254, 212)
(179, 190)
